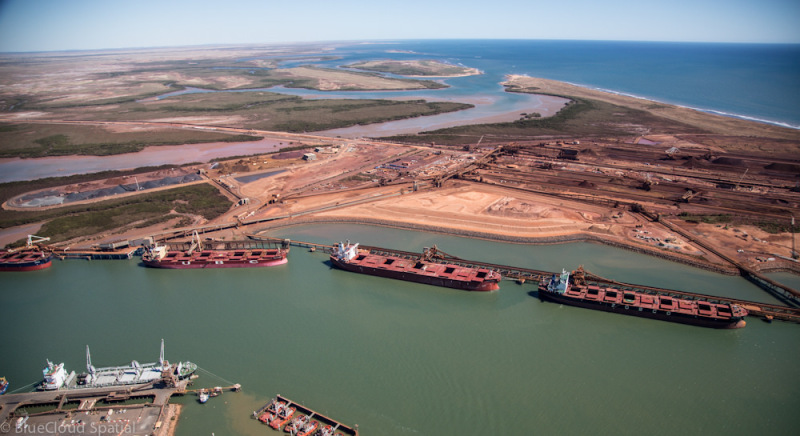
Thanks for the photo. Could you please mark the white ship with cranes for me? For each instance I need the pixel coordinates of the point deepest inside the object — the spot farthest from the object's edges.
(133, 374)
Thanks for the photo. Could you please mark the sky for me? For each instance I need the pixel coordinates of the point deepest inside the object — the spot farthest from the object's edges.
(56, 25)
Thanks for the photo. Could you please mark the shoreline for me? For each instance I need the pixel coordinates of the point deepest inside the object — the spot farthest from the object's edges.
(716, 122)
(523, 240)
(698, 109)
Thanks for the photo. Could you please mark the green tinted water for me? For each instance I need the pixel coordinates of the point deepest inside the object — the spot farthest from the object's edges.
(401, 358)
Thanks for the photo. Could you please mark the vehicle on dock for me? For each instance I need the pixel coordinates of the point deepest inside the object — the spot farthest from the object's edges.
(421, 270)
(304, 421)
(159, 256)
(574, 291)
(132, 374)
(3, 385)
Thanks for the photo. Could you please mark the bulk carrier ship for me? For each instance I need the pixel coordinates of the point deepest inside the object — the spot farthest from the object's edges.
(423, 270)
(56, 376)
(559, 289)
(28, 258)
(159, 256)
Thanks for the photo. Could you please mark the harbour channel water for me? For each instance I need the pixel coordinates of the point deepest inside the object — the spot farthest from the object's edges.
(401, 358)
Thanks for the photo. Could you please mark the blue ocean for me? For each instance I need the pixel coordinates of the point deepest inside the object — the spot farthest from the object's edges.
(753, 81)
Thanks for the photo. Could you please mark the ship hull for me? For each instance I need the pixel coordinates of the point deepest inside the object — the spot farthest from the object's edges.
(214, 264)
(9, 264)
(218, 259)
(410, 276)
(662, 315)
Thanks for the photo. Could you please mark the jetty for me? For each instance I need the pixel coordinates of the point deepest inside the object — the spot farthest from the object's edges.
(338, 427)
(104, 411)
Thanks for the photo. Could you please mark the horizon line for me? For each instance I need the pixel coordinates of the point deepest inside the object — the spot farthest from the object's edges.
(361, 41)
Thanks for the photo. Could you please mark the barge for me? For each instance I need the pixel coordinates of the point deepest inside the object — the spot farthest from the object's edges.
(297, 419)
(159, 256)
(576, 292)
(422, 270)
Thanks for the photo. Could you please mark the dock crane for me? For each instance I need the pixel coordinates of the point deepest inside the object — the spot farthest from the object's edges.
(33, 239)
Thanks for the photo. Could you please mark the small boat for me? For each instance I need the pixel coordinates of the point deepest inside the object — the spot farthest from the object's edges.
(298, 422)
(283, 416)
(271, 411)
(574, 291)
(308, 428)
(202, 396)
(3, 385)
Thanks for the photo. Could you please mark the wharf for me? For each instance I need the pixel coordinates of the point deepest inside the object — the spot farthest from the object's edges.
(125, 253)
(104, 411)
(338, 427)
(522, 275)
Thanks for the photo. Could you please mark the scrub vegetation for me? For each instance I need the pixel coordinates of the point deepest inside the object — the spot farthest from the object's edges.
(41, 140)
(141, 210)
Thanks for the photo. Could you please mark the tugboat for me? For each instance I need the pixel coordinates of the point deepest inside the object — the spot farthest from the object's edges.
(297, 423)
(308, 428)
(158, 256)
(282, 416)
(423, 270)
(203, 396)
(3, 385)
(560, 289)
(305, 421)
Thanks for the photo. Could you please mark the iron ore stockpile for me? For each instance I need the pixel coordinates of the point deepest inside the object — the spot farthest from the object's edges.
(284, 414)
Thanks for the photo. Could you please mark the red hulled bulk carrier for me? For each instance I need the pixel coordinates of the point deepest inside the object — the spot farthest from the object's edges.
(423, 270)
(25, 260)
(559, 289)
(29, 258)
(158, 256)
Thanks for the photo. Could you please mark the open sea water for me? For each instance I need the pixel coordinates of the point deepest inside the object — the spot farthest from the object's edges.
(753, 81)
(401, 358)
